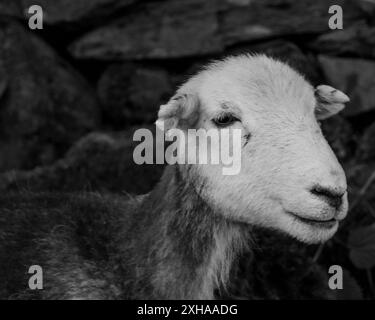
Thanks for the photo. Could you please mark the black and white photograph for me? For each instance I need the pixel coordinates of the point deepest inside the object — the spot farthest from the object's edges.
(182, 150)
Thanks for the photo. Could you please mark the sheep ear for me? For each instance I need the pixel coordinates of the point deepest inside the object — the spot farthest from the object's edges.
(330, 101)
(181, 110)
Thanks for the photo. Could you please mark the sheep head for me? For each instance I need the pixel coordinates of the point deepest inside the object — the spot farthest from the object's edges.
(290, 179)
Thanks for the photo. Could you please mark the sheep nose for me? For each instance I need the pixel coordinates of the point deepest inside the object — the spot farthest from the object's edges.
(332, 196)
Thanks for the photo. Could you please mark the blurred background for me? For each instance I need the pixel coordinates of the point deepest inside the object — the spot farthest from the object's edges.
(72, 94)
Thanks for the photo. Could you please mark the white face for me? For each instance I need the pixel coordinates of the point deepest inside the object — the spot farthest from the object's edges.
(290, 179)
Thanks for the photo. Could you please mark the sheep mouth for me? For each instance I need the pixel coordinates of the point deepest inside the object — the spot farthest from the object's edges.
(327, 224)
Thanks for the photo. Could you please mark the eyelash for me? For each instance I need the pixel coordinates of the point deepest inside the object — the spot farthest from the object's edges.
(225, 120)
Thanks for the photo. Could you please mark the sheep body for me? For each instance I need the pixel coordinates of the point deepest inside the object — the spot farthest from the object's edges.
(92, 246)
(69, 236)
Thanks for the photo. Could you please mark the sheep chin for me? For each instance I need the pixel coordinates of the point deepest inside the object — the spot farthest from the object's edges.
(309, 231)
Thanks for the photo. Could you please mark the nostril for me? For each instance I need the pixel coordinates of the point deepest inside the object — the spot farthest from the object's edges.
(333, 197)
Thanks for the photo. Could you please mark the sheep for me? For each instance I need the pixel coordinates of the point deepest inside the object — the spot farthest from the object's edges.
(180, 240)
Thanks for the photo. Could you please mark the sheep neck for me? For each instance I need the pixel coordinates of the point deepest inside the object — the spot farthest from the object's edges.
(187, 248)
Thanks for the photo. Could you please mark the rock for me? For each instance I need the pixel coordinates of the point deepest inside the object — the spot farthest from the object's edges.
(131, 94)
(44, 104)
(341, 137)
(97, 162)
(366, 146)
(355, 77)
(167, 29)
(171, 29)
(368, 7)
(10, 8)
(287, 52)
(68, 12)
(269, 18)
(361, 184)
(361, 181)
(358, 40)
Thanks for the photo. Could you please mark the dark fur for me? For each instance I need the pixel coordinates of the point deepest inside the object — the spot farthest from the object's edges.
(94, 246)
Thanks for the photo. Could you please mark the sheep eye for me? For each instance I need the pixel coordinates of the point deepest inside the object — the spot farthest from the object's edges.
(224, 120)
